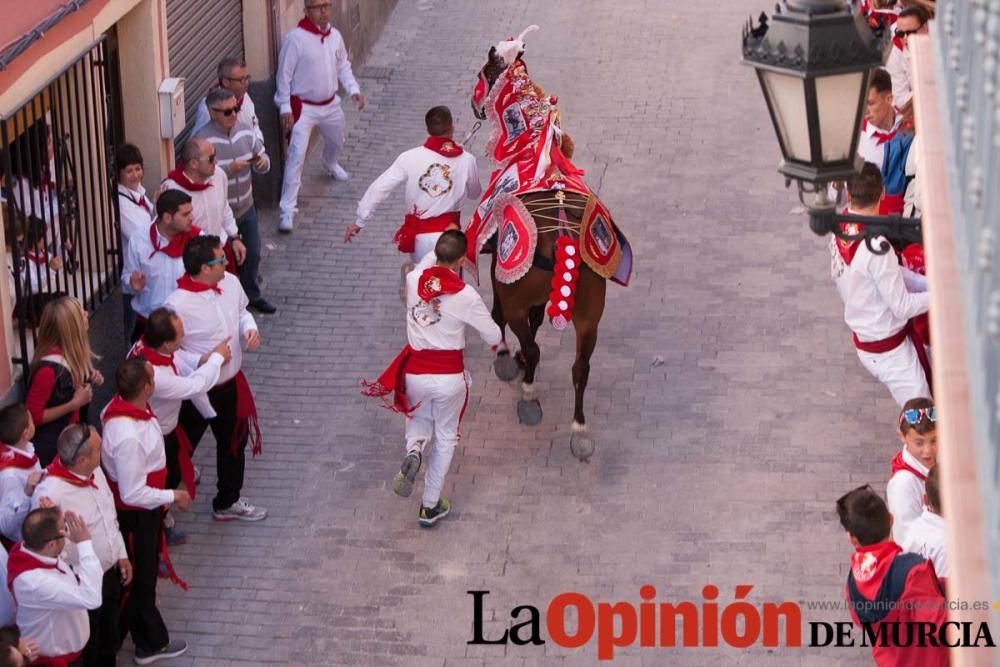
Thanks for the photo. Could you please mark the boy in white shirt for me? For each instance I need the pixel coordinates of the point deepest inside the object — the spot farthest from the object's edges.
(20, 471)
(905, 491)
(926, 535)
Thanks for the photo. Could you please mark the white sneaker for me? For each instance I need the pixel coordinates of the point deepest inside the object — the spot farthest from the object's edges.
(285, 224)
(339, 173)
(241, 510)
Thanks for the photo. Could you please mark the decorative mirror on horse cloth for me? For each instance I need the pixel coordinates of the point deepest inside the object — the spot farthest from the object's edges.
(602, 246)
(517, 237)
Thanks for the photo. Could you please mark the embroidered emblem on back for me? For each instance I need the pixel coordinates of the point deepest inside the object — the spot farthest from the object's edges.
(427, 313)
(436, 181)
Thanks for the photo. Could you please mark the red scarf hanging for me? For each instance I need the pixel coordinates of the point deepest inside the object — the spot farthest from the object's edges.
(247, 425)
(185, 450)
(11, 459)
(416, 362)
(41, 259)
(437, 281)
(877, 134)
(142, 349)
(180, 178)
(443, 146)
(119, 407)
(57, 469)
(175, 246)
(311, 27)
(142, 200)
(188, 283)
(898, 463)
(21, 561)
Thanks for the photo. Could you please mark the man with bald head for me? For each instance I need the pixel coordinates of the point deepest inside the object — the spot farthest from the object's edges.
(200, 177)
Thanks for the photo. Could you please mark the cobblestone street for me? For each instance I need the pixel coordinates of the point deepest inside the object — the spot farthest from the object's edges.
(727, 403)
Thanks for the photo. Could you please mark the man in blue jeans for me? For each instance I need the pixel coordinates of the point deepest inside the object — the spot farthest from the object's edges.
(239, 149)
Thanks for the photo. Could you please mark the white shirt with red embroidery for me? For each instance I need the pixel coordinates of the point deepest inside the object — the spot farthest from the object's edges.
(904, 494)
(926, 536)
(435, 184)
(869, 147)
(211, 206)
(97, 508)
(52, 603)
(311, 68)
(210, 318)
(14, 504)
(440, 324)
(877, 303)
(130, 450)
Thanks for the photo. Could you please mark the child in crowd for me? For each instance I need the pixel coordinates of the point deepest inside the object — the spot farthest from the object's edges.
(61, 374)
(910, 465)
(888, 586)
(20, 472)
(38, 273)
(926, 535)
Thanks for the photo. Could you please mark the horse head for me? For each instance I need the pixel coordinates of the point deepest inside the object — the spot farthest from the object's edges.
(500, 57)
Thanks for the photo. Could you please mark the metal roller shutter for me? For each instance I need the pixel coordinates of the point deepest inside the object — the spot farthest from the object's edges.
(200, 33)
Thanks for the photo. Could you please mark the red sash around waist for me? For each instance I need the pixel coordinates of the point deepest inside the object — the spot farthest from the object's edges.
(297, 102)
(892, 342)
(156, 479)
(57, 660)
(416, 362)
(406, 236)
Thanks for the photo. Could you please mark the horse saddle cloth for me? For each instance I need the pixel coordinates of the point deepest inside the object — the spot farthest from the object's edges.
(517, 238)
(603, 247)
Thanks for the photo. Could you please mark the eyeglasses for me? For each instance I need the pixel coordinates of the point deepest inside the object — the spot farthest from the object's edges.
(913, 417)
(325, 5)
(240, 79)
(228, 112)
(83, 440)
(906, 33)
(218, 260)
(208, 158)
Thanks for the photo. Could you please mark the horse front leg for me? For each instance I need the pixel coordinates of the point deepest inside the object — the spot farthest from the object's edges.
(529, 408)
(504, 365)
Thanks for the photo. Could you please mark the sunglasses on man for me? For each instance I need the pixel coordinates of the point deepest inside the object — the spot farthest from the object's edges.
(218, 260)
(906, 33)
(85, 430)
(228, 112)
(914, 416)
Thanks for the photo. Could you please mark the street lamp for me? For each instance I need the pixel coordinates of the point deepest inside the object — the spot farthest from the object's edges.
(813, 62)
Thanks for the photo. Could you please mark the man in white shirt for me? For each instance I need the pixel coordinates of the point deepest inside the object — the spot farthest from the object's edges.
(878, 303)
(136, 467)
(208, 187)
(74, 480)
(234, 77)
(439, 175)
(20, 470)
(213, 307)
(911, 21)
(881, 119)
(52, 596)
(428, 378)
(311, 66)
(926, 535)
(153, 260)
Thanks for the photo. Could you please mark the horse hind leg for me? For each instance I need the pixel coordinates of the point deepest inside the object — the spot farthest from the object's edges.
(580, 443)
(529, 408)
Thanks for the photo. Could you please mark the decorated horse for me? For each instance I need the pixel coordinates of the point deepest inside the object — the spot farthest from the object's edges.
(552, 239)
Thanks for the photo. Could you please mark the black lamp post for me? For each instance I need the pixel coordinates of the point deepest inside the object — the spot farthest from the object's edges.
(813, 62)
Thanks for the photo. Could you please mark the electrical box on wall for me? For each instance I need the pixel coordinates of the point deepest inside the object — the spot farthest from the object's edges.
(172, 118)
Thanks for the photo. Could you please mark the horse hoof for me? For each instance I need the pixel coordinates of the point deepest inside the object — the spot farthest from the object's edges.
(582, 446)
(505, 367)
(529, 412)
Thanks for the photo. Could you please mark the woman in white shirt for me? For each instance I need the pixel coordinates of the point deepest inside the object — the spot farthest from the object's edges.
(136, 211)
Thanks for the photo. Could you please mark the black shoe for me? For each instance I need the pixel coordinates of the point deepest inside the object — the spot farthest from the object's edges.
(428, 517)
(402, 483)
(263, 306)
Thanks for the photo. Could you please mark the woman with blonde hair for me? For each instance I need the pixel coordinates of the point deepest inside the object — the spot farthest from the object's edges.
(61, 374)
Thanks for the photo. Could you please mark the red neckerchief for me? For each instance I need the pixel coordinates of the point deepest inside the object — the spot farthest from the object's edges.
(188, 283)
(879, 136)
(22, 561)
(438, 280)
(180, 178)
(870, 564)
(309, 26)
(847, 249)
(9, 458)
(39, 259)
(119, 407)
(175, 246)
(443, 146)
(142, 349)
(898, 463)
(897, 42)
(57, 469)
(141, 202)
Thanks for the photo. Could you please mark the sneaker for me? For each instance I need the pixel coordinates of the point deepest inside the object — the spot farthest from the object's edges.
(429, 517)
(285, 225)
(339, 173)
(241, 510)
(175, 648)
(264, 306)
(402, 483)
(175, 536)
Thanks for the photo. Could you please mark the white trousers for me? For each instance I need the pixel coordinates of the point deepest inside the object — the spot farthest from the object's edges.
(423, 244)
(899, 370)
(330, 121)
(434, 423)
